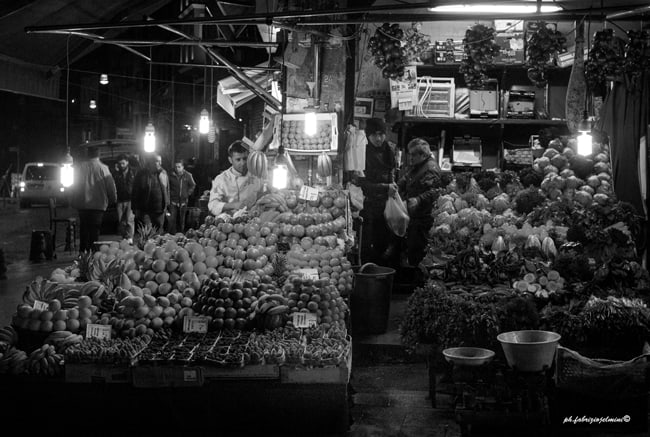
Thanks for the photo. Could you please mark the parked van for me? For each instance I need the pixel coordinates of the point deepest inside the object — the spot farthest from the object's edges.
(39, 182)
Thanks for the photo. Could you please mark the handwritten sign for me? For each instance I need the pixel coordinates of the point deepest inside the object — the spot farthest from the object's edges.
(100, 332)
(308, 273)
(308, 193)
(195, 324)
(41, 306)
(304, 320)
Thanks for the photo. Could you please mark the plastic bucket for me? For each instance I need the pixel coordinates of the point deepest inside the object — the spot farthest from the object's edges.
(370, 299)
(529, 350)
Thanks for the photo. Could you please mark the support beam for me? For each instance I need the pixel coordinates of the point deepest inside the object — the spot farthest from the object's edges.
(188, 43)
(181, 64)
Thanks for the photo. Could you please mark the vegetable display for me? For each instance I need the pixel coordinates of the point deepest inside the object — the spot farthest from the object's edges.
(480, 52)
(543, 45)
(387, 50)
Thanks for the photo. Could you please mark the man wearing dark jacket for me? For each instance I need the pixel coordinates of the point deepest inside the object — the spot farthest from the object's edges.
(150, 196)
(417, 187)
(377, 184)
(181, 187)
(123, 176)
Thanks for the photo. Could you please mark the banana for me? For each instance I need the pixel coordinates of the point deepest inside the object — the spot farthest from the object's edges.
(279, 309)
(278, 298)
(266, 306)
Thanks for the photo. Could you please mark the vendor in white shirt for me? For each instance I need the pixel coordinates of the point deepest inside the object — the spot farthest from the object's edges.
(234, 188)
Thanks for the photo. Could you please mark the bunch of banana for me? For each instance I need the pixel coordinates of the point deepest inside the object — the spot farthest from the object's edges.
(45, 361)
(13, 361)
(269, 304)
(40, 289)
(61, 340)
(8, 335)
(272, 201)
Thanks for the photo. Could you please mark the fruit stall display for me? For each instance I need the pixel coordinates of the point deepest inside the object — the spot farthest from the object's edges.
(548, 247)
(240, 279)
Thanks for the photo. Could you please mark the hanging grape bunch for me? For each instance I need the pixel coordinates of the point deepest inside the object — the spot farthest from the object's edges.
(637, 55)
(416, 43)
(387, 51)
(541, 48)
(605, 60)
(480, 50)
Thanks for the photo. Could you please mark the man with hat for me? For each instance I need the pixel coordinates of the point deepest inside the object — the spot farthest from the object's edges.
(377, 183)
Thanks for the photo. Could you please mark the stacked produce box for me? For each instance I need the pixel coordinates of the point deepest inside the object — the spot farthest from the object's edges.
(267, 287)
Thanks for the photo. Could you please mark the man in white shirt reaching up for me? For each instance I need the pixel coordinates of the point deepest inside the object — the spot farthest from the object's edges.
(234, 188)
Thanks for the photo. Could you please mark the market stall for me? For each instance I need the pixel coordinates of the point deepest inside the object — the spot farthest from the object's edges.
(246, 313)
(536, 294)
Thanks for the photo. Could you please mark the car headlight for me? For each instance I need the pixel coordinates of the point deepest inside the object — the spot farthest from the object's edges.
(62, 189)
(22, 184)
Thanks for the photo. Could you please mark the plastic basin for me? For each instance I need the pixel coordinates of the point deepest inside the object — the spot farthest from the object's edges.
(529, 350)
(468, 356)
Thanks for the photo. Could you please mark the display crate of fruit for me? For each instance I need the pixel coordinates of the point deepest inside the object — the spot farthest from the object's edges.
(289, 131)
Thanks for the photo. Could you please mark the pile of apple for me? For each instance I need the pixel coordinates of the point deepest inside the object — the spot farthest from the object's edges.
(55, 318)
(330, 262)
(318, 297)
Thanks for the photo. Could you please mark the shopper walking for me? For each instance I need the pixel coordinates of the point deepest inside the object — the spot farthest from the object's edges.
(93, 190)
(378, 243)
(234, 188)
(150, 196)
(181, 187)
(124, 176)
(418, 188)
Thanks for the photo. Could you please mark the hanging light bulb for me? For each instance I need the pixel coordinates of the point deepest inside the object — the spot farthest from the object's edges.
(149, 138)
(310, 123)
(103, 79)
(280, 178)
(93, 104)
(204, 122)
(585, 146)
(67, 171)
(212, 133)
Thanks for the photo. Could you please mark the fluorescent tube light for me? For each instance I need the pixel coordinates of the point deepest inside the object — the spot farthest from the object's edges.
(495, 8)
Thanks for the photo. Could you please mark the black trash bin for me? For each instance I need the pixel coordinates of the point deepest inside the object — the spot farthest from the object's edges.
(370, 299)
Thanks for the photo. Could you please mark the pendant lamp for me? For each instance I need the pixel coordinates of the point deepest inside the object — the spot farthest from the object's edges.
(150, 131)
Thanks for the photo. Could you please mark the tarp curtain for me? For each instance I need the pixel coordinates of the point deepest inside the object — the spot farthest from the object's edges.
(624, 118)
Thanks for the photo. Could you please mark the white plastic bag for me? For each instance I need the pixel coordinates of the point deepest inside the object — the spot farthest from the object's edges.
(396, 215)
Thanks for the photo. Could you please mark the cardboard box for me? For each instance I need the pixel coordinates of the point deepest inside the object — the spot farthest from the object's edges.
(296, 141)
(98, 373)
(167, 376)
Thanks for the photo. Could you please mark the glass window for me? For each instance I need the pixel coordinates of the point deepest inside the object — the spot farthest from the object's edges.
(44, 173)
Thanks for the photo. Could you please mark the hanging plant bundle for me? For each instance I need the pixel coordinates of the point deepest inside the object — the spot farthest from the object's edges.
(480, 51)
(637, 54)
(416, 43)
(541, 49)
(387, 50)
(605, 60)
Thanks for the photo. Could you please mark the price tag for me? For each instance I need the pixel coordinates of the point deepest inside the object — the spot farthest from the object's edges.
(190, 375)
(98, 331)
(41, 306)
(304, 320)
(308, 273)
(195, 324)
(405, 104)
(308, 193)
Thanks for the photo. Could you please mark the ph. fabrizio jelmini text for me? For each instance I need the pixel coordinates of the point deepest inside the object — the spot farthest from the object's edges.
(595, 420)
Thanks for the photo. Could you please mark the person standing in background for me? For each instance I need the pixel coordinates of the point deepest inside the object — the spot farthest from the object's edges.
(378, 243)
(124, 176)
(181, 187)
(92, 191)
(234, 188)
(417, 187)
(150, 196)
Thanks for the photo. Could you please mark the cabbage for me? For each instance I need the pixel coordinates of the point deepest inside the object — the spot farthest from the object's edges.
(482, 202)
(582, 197)
(500, 203)
(601, 198)
(448, 207)
(442, 199)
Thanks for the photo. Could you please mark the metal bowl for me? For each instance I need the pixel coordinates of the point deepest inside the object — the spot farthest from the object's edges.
(468, 356)
(529, 350)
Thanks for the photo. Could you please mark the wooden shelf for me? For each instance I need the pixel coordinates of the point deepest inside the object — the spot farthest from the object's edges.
(488, 121)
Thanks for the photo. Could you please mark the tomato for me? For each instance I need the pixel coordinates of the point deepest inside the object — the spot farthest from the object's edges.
(227, 227)
(327, 201)
(298, 231)
(271, 239)
(253, 253)
(239, 228)
(265, 231)
(340, 201)
(250, 264)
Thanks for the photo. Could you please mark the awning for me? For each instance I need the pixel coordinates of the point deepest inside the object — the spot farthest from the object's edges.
(231, 94)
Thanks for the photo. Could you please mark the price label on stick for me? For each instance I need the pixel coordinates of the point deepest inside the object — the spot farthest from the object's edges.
(308, 273)
(308, 193)
(304, 320)
(98, 331)
(195, 324)
(41, 306)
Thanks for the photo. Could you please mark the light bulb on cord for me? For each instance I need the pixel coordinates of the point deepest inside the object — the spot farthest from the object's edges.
(103, 79)
(204, 122)
(93, 104)
(149, 138)
(67, 171)
(310, 123)
(585, 146)
(280, 177)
